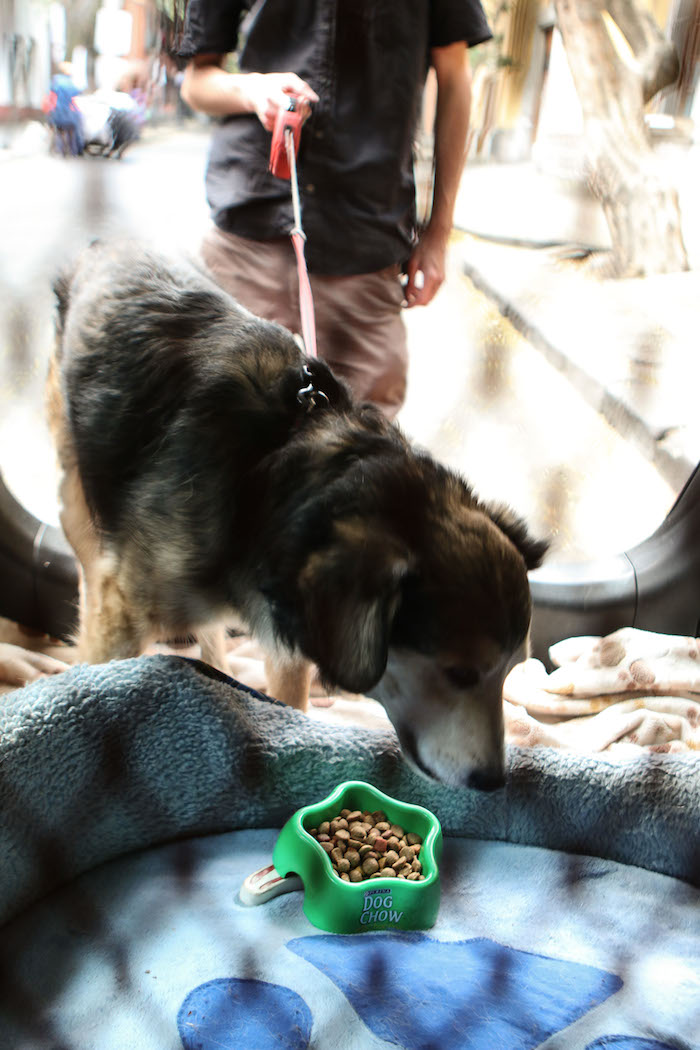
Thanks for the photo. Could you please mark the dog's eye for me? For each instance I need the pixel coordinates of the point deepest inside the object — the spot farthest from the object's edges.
(461, 677)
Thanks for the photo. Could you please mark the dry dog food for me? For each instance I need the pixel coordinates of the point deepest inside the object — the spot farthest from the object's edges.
(363, 845)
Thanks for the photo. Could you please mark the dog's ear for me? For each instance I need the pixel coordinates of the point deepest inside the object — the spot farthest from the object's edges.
(349, 592)
(532, 550)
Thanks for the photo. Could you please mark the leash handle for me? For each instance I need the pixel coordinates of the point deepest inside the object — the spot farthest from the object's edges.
(283, 163)
(289, 119)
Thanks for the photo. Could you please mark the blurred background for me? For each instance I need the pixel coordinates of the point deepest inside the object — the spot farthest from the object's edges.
(558, 366)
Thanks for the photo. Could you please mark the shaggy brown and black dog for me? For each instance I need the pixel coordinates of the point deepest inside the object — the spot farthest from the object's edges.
(212, 474)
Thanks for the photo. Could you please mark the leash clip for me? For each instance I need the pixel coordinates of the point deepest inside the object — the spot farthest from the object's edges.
(309, 396)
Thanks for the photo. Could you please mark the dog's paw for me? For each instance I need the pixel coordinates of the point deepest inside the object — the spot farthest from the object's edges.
(19, 666)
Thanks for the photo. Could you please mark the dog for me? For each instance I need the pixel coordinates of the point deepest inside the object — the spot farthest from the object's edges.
(212, 474)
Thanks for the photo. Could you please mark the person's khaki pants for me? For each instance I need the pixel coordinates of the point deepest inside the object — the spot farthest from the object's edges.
(359, 328)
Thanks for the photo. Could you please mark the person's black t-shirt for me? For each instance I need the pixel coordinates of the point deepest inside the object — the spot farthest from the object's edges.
(367, 61)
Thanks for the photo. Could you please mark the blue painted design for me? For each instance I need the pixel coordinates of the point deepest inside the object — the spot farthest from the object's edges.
(231, 1013)
(423, 994)
(627, 1042)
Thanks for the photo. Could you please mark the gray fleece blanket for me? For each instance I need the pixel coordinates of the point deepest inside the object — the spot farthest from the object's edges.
(104, 760)
(136, 797)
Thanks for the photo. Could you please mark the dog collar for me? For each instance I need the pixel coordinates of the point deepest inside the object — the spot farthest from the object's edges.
(310, 396)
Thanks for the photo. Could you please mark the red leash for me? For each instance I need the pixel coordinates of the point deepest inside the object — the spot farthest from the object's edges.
(283, 154)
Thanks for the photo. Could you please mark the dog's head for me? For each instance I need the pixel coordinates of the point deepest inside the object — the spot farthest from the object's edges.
(426, 607)
(461, 624)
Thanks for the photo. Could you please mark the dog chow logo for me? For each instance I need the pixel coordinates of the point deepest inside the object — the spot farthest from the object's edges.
(378, 906)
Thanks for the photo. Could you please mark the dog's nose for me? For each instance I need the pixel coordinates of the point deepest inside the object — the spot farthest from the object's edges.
(486, 780)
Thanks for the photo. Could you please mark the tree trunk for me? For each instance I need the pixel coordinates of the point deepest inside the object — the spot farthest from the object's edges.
(618, 60)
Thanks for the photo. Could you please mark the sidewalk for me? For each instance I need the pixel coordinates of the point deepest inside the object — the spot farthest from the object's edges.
(630, 346)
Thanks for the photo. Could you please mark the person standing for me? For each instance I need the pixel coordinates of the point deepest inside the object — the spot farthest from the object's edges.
(64, 116)
(359, 69)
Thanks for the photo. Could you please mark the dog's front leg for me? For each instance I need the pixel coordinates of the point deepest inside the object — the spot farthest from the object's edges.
(288, 678)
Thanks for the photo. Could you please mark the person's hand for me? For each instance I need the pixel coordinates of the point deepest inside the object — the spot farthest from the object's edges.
(269, 92)
(426, 268)
(19, 666)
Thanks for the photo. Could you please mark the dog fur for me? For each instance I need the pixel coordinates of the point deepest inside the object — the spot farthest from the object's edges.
(200, 489)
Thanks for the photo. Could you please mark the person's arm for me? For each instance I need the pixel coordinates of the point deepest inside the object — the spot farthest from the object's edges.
(207, 87)
(453, 74)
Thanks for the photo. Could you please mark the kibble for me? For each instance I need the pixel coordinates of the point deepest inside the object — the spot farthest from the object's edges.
(362, 845)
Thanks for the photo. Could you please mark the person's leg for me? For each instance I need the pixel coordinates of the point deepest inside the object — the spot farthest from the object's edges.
(361, 335)
(359, 328)
(78, 138)
(61, 141)
(258, 274)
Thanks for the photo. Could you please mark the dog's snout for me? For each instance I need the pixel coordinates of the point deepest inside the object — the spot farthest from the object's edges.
(486, 780)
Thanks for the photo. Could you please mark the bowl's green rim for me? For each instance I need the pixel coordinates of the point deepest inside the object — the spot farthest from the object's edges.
(337, 793)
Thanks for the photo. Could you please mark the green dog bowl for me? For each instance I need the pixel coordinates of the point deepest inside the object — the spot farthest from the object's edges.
(374, 904)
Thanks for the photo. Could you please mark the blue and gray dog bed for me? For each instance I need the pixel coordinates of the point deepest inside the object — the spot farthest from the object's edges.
(136, 797)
